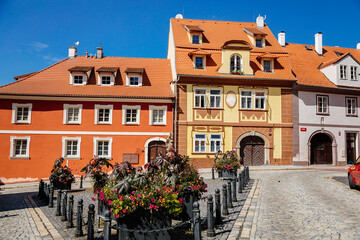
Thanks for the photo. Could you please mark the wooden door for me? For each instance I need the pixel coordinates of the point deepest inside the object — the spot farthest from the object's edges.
(252, 151)
(351, 147)
(321, 149)
(156, 148)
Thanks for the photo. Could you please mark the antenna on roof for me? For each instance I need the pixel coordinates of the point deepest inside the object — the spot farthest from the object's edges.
(77, 43)
(100, 44)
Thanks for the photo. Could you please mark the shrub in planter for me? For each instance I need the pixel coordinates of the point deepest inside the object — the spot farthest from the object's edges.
(61, 176)
(226, 164)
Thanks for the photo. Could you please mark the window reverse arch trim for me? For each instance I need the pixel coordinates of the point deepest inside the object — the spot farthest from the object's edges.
(71, 116)
(19, 147)
(21, 113)
(101, 147)
(157, 118)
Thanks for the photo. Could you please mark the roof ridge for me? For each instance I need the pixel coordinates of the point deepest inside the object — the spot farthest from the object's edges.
(35, 73)
(149, 58)
(204, 20)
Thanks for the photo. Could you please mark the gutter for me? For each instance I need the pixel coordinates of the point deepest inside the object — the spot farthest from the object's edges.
(243, 78)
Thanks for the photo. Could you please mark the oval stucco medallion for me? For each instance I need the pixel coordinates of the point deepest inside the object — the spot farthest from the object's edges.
(230, 99)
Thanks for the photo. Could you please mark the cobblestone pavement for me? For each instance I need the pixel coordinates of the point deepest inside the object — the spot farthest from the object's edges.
(303, 205)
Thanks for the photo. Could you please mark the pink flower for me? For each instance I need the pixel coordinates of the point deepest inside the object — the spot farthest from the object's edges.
(124, 210)
(117, 205)
(93, 199)
(153, 200)
(192, 187)
(139, 195)
(120, 197)
(109, 202)
(151, 206)
(196, 187)
(102, 198)
(154, 207)
(180, 201)
(132, 192)
(117, 216)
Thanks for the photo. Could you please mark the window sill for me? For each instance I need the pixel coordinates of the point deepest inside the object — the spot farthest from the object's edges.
(103, 123)
(132, 124)
(72, 123)
(253, 109)
(268, 71)
(158, 124)
(202, 153)
(199, 108)
(323, 114)
(199, 68)
(352, 115)
(21, 122)
(20, 157)
(72, 158)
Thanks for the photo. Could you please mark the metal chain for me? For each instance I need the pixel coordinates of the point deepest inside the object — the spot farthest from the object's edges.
(152, 231)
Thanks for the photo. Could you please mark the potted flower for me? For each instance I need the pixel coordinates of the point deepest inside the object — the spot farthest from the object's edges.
(226, 164)
(61, 176)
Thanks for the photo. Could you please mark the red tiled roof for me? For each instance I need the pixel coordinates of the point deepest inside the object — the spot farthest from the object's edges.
(305, 63)
(107, 69)
(54, 80)
(80, 69)
(215, 35)
(199, 52)
(193, 28)
(134, 70)
(255, 31)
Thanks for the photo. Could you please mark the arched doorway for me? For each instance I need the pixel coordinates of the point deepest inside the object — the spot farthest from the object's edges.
(153, 147)
(321, 149)
(252, 151)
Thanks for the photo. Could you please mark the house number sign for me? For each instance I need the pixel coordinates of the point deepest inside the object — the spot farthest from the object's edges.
(230, 99)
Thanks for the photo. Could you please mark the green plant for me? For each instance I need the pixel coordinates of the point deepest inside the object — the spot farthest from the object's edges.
(227, 160)
(61, 173)
(95, 170)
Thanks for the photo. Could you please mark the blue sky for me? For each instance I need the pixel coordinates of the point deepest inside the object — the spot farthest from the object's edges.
(37, 33)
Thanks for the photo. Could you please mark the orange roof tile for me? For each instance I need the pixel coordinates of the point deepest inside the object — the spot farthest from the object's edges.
(54, 80)
(193, 28)
(255, 31)
(199, 52)
(305, 63)
(215, 35)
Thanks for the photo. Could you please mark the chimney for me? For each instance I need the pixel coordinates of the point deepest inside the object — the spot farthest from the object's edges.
(99, 52)
(72, 52)
(358, 45)
(318, 43)
(260, 21)
(281, 38)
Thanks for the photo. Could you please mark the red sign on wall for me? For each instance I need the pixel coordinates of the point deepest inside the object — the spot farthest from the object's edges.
(303, 129)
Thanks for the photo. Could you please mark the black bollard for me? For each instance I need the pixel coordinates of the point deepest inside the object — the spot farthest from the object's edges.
(70, 223)
(212, 173)
(48, 194)
(234, 190)
(229, 201)
(64, 208)
(58, 203)
(239, 184)
(107, 225)
(242, 180)
(248, 174)
(44, 193)
(210, 217)
(218, 219)
(196, 219)
(40, 190)
(224, 202)
(81, 181)
(79, 231)
(91, 215)
(51, 197)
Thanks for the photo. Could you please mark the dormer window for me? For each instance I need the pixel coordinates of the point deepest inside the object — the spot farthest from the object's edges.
(107, 75)
(105, 80)
(267, 66)
(79, 75)
(199, 62)
(134, 77)
(343, 69)
(78, 80)
(235, 64)
(195, 39)
(259, 42)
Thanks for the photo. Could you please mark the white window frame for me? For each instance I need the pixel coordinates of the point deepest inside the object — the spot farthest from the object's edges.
(246, 97)
(12, 147)
(138, 75)
(200, 95)
(215, 140)
(15, 106)
(236, 64)
(353, 73)
(317, 104)
(259, 97)
(64, 146)
(72, 78)
(271, 65)
(203, 62)
(126, 107)
(97, 140)
(343, 72)
(66, 112)
(98, 107)
(151, 109)
(353, 111)
(215, 96)
(200, 139)
(112, 79)
(262, 42)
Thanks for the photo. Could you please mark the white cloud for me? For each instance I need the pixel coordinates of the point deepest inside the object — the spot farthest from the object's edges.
(52, 59)
(38, 46)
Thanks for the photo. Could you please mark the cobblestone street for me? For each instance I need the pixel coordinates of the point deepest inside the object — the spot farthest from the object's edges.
(305, 205)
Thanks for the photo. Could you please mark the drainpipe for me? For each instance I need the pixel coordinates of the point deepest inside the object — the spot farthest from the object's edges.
(175, 116)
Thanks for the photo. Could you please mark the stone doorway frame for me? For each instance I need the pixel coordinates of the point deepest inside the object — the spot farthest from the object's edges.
(333, 145)
(146, 146)
(257, 134)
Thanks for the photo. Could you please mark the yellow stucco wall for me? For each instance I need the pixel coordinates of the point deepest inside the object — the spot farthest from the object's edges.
(277, 143)
(274, 105)
(245, 55)
(231, 114)
(190, 102)
(227, 144)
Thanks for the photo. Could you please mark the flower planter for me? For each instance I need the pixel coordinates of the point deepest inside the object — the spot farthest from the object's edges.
(144, 220)
(227, 174)
(61, 185)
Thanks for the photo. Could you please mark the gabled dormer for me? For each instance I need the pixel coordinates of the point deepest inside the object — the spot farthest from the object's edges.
(195, 34)
(199, 58)
(342, 71)
(256, 36)
(267, 62)
(106, 76)
(134, 77)
(79, 75)
(236, 58)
